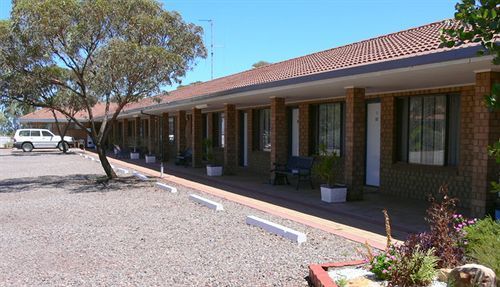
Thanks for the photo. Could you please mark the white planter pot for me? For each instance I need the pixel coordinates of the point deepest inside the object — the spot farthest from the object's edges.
(150, 159)
(214, 170)
(333, 194)
(134, 155)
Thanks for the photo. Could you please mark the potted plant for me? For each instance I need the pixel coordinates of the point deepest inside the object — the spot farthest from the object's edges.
(213, 169)
(324, 169)
(150, 158)
(134, 154)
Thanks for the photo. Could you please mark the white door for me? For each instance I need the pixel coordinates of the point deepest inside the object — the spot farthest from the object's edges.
(295, 132)
(245, 139)
(373, 144)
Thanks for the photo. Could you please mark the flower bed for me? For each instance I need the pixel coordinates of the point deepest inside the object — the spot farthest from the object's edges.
(440, 253)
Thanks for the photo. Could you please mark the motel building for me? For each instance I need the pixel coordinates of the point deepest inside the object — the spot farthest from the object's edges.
(405, 115)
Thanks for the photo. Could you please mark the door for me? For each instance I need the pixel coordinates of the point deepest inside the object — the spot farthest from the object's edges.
(36, 139)
(373, 144)
(245, 139)
(295, 132)
(47, 140)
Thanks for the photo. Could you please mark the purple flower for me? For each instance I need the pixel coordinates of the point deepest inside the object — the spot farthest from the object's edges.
(384, 271)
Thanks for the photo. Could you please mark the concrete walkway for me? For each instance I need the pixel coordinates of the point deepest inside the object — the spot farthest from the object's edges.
(360, 221)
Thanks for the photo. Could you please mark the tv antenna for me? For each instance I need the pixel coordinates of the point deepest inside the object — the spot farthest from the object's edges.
(211, 46)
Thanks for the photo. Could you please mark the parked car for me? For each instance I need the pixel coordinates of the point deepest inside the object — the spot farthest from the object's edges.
(28, 139)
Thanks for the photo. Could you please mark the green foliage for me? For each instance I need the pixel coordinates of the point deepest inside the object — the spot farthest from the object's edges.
(413, 268)
(324, 167)
(479, 21)
(69, 55)
(382, 264)
(342, 282)
(483, 240)
(208, 149)
(260, 64)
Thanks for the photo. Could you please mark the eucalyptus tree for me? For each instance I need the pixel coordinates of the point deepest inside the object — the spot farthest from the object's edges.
(89, 52)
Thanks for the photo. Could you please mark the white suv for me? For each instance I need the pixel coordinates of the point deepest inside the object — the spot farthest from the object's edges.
(28, 139)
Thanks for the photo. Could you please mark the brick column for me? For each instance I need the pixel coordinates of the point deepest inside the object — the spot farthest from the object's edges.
(180, 133)
(387, 137)
(137, 131)
(164, 136)
(125, 133)
(279, 142)
(486, 132)
(196, 137)
(355, 126)
(304, 129)
(150, 134)
(230, 148)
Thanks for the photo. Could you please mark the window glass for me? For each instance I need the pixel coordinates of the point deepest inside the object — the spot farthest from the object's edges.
(330, 126)
(265, 129)
(427, 130)
(46, 134)
(171, 129)
(35, 133)
(24, 133)
(221, 129)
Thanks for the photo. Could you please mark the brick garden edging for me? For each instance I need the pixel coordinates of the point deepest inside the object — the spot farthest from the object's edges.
(318, 274)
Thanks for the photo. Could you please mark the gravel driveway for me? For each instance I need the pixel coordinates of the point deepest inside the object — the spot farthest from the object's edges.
(59, 227)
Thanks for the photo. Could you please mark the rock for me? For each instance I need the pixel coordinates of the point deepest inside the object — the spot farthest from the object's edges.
(472, 275)
(442, 274)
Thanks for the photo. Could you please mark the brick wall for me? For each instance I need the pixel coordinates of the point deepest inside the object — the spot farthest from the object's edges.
(418, 181)
(230, 142)
(196, 136)
(279, 126)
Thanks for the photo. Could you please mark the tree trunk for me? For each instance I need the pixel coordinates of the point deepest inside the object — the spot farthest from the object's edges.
(110, 173)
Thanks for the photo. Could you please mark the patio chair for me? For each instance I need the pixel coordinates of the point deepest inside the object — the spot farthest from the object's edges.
(184, 157)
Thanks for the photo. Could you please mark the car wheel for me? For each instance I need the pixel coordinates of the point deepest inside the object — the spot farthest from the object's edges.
(27, 147)
(61, 145)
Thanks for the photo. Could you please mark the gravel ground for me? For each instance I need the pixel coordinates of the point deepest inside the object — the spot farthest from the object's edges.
(59, 227)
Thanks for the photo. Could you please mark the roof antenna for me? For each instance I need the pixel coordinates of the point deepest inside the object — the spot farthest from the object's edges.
(211, 46)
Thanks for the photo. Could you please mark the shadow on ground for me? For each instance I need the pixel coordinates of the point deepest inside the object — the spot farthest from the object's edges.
(76, 183)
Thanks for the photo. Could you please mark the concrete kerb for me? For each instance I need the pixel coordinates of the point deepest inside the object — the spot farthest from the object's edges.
(206, 202)
(274, 228)
(140, 175)
(166, 187)
(351, 233)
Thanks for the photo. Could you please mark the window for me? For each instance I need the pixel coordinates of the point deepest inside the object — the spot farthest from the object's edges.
(221, 129)
(428, 130)
(171, 129)
(262, 130)
(35, 133)
(218, 132)
(329, 126)
(46, 134)
(24, 133)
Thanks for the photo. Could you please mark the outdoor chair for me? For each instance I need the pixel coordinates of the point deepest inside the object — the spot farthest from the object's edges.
(184, 157)
(296, 166)
(119, 152)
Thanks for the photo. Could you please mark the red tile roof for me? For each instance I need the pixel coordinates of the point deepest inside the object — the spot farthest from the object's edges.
(404, 44)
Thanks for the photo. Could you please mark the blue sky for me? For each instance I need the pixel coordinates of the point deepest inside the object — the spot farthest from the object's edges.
(247, 31)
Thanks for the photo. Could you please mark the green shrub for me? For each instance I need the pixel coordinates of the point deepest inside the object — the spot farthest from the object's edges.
(381, 265)
(483, 241)
(413, 267)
